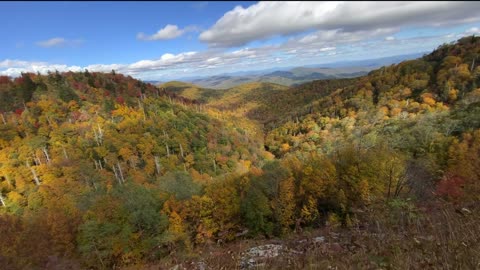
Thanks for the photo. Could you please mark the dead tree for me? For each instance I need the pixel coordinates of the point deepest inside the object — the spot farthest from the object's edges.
(45, 152)
(35, 176)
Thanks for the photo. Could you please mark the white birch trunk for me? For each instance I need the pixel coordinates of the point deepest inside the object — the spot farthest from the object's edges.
(116, 174)
(2, 200)
(181, 149)
(35, 177)
(157, 164)
(120, 171)
(45, 152)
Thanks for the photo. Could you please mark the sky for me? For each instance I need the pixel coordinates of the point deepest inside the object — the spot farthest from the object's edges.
(170, 40)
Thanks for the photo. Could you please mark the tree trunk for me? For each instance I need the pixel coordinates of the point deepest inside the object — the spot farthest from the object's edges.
(2, 200)
(100, 131)
(45, 152)
(116, 174)
(64, 152)
(181, 150)
(95, 136)
(157, 164)
(120, 171)
(35, 177)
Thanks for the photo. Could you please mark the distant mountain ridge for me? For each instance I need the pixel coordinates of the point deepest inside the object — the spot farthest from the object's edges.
(289, 76)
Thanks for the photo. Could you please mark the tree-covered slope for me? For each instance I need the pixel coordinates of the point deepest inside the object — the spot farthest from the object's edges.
(437, 89)
(102, 171)
(73, 142)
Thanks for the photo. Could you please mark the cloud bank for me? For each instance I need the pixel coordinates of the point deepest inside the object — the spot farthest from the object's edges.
(267, 19)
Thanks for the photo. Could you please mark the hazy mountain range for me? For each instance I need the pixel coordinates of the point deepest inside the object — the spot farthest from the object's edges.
(295, 75)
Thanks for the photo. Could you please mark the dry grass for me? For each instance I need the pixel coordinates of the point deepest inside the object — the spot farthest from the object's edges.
(430, 237)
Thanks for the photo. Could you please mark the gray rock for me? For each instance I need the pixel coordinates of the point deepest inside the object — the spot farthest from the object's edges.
(319, 239)
(257, 256)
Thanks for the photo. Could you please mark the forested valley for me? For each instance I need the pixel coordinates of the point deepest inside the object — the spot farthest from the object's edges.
(103, 171)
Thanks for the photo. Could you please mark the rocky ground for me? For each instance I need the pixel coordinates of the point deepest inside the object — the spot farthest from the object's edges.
(447, 240)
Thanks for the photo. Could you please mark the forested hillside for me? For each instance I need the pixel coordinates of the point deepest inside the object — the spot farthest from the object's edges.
(102, 171)
(89, 155)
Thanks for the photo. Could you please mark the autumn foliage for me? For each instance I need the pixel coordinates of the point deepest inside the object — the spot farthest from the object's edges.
(100, 171)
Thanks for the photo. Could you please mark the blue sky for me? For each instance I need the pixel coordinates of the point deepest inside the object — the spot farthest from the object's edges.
(169, 40)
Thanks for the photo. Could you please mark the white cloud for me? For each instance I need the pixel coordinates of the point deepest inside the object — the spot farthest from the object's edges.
(213, 60)
(167, 63)
(473, 30)
(308, 39)
(105, 68)
(390, 38)
(170, 31)
(331, 38)
(243, 53)
(42, 68)
(159, 64)
(53, 42)
(266, 19)
(326, 49)
(58, 42)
